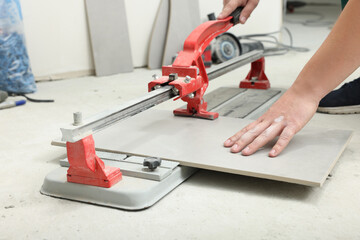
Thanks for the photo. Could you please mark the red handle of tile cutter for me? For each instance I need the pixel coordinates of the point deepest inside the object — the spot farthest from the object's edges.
(196, 44)
(201, 37)
(189, 63)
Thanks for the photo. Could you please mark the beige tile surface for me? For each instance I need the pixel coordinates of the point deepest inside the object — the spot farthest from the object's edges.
(198, 143)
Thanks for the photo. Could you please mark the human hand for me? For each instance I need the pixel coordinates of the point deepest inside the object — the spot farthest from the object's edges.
(231, 5)
(284, 119)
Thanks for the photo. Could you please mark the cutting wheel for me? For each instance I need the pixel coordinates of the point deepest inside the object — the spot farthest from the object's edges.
(226, 47)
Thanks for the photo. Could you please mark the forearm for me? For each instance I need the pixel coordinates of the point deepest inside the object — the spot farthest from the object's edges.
(336, 59)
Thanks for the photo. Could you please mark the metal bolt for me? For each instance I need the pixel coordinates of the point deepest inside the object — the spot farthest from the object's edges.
(156, 87)
(173, 76)
(254, 78)
(77, 118)
(152, 163)
(191, 95)
(175, 91)
(155, 76)
(187, 79)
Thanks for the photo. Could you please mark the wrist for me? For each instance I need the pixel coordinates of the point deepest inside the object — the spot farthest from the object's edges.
(306, 92)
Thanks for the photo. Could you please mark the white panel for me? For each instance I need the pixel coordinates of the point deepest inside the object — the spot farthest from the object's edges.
(57, 36)
(109, 36)
(183, 19)
(141, 17)
(158, 36)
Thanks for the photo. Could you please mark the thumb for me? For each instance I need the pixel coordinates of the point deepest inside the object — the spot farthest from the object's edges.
(227, 10)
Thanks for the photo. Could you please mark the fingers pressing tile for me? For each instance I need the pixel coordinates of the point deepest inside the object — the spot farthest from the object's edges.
(228, 143)
(246, 151)
(235, 148)
(272, 153)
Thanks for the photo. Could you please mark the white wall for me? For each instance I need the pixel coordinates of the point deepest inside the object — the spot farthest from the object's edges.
(141, 16)
(58, 39)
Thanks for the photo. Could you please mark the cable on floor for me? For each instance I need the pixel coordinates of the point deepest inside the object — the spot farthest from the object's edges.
(280, 48)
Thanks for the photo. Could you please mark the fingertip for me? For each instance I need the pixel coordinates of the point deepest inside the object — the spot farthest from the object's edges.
(221, 16)
(246, 151)
(228, 143)
(235, 148)
(273, 153)
(227, 10)
(243, 19)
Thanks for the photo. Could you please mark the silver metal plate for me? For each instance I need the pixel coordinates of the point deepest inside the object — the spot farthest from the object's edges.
(133, 166)
(130, 193)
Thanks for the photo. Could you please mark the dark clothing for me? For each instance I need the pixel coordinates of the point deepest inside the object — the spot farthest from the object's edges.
(343, 3)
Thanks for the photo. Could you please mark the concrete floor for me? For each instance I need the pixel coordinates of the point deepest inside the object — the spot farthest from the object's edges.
(210, 205)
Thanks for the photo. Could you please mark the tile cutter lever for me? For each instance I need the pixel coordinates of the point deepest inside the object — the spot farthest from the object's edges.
(187, 74)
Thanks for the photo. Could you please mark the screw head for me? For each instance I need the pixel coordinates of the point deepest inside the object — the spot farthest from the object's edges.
(77, 118)
(191, 95)
(155, 76)
(175, 91)
(156, 87)
(173, 76)
(187, 79)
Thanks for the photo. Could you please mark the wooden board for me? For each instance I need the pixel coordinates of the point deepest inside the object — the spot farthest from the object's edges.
(158, 36)
(184, 18)
(109, 36)
(198, 143)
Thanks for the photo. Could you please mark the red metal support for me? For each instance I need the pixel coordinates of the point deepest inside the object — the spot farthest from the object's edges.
(87, 168)
(256, 77)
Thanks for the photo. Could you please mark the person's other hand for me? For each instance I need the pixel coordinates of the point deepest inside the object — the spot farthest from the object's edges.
(284, 119)
(231, 5)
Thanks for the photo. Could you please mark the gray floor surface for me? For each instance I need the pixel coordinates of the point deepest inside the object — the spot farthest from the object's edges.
(210, 205)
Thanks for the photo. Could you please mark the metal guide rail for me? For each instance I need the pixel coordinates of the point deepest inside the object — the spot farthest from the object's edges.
(80, 129)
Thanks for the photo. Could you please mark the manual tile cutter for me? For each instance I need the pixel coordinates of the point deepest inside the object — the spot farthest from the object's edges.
(88, 179)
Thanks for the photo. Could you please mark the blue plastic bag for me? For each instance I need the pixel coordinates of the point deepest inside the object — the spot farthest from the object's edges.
(15, 72)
